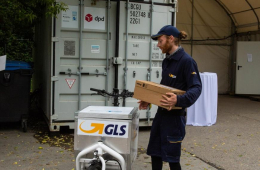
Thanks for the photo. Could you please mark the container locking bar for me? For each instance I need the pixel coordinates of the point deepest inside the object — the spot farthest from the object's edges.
(69, 73)
(82, 73)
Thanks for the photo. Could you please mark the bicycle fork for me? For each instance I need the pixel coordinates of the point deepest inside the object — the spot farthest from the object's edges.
(99, 147)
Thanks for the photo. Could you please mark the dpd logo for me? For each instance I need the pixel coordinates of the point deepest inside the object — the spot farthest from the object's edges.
(97, 18)
(88, 17)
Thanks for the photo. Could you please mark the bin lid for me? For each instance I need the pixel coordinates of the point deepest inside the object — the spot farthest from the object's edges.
(16, 65)
(107, 112)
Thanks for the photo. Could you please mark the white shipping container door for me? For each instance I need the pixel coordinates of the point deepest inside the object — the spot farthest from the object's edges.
(94, 46)
(138, 62)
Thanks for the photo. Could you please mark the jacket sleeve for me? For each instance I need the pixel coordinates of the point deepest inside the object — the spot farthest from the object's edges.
(193, 83)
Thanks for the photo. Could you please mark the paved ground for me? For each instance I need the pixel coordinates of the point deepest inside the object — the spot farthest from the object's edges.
(22, 151)
(231, 144)
(188, 161)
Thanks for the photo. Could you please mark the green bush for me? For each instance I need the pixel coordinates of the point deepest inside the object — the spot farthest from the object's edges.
(17, 21)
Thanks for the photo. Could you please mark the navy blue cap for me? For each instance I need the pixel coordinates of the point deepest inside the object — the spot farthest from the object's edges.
(167, 30)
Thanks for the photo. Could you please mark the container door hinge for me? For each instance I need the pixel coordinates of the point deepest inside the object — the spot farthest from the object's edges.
(109, 5)
(117, 60)
(55, 39)
(152, 8)
(54, 117)
(172, 10)
(54, 78)
(82, 2)
(127, 6)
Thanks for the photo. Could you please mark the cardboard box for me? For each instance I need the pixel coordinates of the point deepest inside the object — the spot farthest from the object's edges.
(152, 92)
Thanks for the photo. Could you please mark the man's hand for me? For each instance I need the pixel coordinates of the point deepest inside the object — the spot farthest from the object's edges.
(170, 100)
(143, 105)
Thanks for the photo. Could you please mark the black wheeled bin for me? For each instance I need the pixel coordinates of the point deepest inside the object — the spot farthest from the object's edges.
(15, 83)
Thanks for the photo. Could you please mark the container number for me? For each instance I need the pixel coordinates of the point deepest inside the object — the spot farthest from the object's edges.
(136, 6)
(134, 20)
(137, 14)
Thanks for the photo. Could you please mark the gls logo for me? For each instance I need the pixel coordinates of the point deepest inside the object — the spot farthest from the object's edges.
(102, 128)
(110, 129)
(89, 18)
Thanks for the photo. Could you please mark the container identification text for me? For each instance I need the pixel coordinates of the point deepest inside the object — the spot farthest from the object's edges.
(136, 13)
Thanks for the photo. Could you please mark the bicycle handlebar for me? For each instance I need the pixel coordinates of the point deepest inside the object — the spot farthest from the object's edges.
(97, 90)
(101, 92)
(125, 93)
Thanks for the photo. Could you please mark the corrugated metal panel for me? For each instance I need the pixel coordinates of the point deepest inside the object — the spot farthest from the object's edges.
(77, 58)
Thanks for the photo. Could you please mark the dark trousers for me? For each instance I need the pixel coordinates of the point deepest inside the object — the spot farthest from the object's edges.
(157, 164)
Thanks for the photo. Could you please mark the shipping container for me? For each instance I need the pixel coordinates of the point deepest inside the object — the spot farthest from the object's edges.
(98, 44)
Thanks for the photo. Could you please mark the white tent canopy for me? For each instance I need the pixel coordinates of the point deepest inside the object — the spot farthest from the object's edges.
(212, 26)
(244, 13)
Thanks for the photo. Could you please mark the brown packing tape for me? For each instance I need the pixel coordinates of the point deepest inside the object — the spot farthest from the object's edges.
(138, 84)
(158, 87)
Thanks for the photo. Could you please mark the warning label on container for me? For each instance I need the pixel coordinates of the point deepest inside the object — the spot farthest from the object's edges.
(70, 17)
(70, 82)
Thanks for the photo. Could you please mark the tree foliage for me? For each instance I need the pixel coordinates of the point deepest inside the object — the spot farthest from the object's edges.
(17, 21)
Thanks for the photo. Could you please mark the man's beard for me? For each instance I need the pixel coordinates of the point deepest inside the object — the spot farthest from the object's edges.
(167, 47)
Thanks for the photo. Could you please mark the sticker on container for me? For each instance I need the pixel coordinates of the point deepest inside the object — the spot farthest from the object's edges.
(74, 15)
(70, 82)
(103, 128)
(95, 48)
(95, 18)
(70, 17)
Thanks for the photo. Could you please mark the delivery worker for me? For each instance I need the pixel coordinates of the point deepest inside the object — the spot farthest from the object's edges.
(179, 71)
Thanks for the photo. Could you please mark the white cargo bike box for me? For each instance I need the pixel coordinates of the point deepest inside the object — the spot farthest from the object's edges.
(116, 128)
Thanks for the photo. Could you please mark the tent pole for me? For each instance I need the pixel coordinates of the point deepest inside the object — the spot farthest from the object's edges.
(233, 61)
(192, 19)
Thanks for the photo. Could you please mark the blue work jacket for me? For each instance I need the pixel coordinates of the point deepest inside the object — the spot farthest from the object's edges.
(179, 71)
